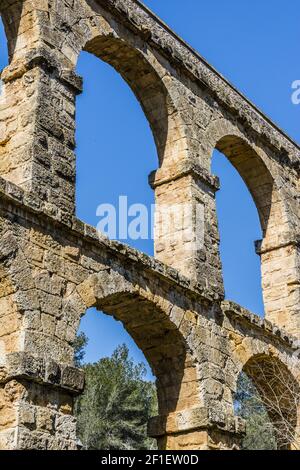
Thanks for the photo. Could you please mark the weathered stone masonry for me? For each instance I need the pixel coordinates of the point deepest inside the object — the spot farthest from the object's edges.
(54, 267)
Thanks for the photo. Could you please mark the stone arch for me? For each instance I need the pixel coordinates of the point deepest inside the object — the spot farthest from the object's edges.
(279, 390)
(258, 167)
(139, 72)
(275, 374)
(143, 69)
(151, 322)
(254, 173)
(257, 171)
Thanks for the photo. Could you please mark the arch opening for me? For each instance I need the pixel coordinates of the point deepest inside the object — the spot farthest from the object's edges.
(250, 161)
(256, 176)
(153, 332)
(8, 36)
(239, 226)
(3, 48)
(115, 154)
(120, 394)
(136, 67)
(268, 397)
(155, 335)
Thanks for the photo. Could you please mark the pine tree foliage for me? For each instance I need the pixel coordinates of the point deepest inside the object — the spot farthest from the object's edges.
(117, 402)
(79, 345)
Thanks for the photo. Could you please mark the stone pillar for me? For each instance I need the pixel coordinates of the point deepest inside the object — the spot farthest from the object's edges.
(197, 429)
(37, 109)
(36, 403)
(281, 283)
(37, 140)
(186, 231)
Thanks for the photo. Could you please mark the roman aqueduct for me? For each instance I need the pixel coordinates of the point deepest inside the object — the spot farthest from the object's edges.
(54, 267)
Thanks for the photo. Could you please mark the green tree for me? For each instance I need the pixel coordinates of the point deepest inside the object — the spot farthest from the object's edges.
(117, 402)
(80, 344)
(260, 433)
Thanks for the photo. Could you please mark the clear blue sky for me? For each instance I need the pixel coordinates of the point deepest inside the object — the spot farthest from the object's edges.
(254, 44)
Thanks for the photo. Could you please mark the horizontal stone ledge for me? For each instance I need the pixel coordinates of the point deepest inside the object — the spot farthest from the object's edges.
(41, 57)
(21, 365)
(232, 309)
(288, 239)
(180, 170)
(195, 419)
